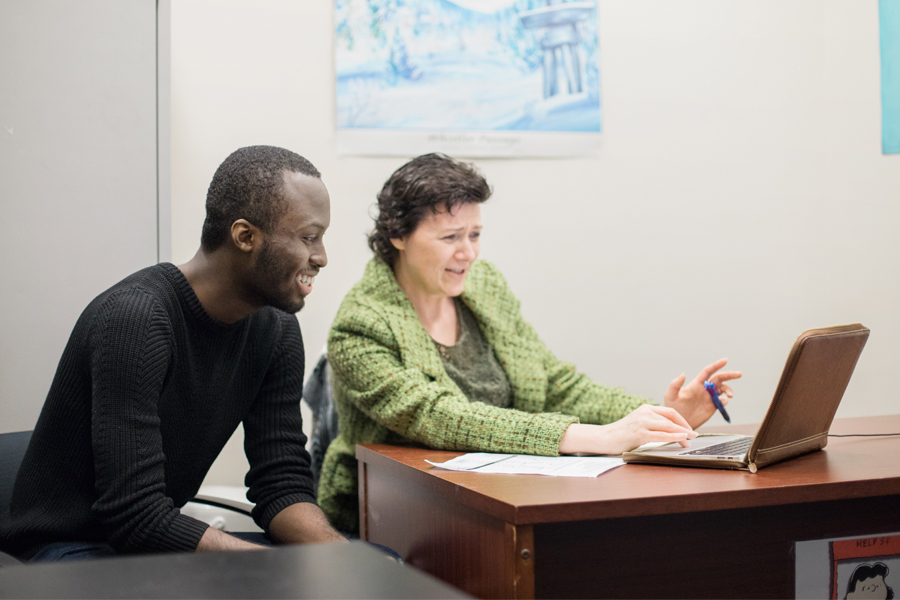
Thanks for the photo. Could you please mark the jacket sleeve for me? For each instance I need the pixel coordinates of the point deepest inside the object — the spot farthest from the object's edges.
(274, 442)
(369, 374)
(574, 393)
(130, 352)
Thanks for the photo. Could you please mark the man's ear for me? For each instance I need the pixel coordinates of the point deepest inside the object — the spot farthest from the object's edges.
(399, 243)
(245, 235)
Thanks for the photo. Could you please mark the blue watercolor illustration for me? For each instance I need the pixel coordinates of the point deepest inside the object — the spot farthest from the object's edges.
(889, 13)
(467, 65)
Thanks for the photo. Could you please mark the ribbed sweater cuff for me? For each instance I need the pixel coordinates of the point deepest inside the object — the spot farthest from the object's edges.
(183, 535)
(279, 505)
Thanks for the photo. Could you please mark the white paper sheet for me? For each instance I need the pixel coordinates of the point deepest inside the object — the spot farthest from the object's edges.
(521, 464)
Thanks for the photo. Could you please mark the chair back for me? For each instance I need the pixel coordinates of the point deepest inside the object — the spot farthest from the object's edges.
(318, 395)
(12, 451)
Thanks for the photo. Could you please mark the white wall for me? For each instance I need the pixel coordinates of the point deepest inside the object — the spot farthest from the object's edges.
(739, 197)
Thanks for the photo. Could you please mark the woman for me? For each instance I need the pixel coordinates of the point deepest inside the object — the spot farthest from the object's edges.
(430, 346)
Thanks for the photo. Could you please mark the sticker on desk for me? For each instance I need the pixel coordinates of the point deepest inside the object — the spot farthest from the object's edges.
(523, 464)
(848, 568)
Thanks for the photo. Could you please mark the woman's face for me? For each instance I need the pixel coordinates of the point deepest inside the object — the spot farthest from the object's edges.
(436, 257)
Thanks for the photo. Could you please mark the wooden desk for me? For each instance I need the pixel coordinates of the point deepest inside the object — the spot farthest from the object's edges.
(638, 531)
(353, 570)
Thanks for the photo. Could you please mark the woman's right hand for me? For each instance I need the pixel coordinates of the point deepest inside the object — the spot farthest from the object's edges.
(645, 424)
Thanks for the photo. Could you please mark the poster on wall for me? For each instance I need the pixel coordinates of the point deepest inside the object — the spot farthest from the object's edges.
(848, 568)
(477, 78)
(889, 34)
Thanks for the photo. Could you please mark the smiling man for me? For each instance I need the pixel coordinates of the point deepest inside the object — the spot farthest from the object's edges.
(162, 367)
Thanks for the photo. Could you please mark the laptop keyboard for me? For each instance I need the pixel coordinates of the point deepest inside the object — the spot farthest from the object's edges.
(731, 448)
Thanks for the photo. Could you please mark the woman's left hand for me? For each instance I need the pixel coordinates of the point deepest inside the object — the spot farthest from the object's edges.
(692, 401)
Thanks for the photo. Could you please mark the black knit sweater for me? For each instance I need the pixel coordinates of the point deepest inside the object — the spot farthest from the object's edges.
(147, 392)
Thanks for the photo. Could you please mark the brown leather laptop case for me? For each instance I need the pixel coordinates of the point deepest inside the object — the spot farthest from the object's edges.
(812, 384)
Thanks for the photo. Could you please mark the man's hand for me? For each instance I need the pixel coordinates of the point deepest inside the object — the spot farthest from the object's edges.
(214, 540)
(302, 523)
(692, 400)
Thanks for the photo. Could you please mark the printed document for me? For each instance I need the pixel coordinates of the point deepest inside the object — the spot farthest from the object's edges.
(523, 464)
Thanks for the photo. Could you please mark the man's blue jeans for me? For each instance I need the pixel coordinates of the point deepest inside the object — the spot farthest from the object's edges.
(67, 551)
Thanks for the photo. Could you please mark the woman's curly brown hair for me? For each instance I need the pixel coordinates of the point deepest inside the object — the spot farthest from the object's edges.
(430, 182)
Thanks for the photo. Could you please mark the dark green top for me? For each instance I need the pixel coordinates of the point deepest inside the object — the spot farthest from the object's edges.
(471, 363)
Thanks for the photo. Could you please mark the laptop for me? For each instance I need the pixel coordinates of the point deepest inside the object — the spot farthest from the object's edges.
(812, 384)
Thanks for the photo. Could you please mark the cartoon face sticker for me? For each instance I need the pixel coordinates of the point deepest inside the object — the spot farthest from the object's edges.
(868, 581)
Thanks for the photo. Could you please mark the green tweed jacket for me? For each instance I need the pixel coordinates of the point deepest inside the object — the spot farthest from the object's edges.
(390, 385)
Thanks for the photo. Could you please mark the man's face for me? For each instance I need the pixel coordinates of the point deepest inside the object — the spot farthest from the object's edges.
(293, 253)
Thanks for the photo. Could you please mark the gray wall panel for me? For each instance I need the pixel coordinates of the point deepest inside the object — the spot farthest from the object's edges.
(78, 175)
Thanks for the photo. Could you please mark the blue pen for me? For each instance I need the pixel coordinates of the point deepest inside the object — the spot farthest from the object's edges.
(714, 394)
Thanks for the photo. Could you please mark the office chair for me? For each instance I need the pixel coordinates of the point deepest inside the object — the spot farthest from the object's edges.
(12, 450)
(219, 513)
(318, 395)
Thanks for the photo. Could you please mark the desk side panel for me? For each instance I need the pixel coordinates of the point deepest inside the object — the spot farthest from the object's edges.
(477, 553)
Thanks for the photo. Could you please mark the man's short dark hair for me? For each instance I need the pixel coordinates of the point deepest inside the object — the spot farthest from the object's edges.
(426, 184)
(249, 185)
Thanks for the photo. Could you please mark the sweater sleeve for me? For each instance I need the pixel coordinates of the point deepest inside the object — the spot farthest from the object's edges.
(130, 351)
(279, 473)
(564, 390)
(574, 393)
(369, 373)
